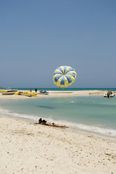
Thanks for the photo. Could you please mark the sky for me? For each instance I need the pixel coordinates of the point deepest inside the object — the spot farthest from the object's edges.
(37, 36)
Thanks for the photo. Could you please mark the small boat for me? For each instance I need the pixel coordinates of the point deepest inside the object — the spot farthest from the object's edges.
(9, 92)
(108, 96)
(43, 92)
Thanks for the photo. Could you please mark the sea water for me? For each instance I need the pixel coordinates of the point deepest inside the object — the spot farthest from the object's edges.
(92, 113)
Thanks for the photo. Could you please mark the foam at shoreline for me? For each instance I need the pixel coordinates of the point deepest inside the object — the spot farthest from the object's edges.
(34, 118)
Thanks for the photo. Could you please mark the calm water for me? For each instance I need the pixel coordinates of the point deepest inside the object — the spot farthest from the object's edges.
(67, 89)
(91, 113)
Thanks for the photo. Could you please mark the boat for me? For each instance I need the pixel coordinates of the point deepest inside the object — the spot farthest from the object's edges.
(108, 96)
(43, 92)
(9, 92)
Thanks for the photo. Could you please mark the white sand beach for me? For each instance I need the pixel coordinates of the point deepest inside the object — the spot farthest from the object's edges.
(28, 148)
(77, 93)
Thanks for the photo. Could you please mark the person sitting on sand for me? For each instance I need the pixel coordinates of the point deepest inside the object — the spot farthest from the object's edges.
(40, 121)
(44, 122)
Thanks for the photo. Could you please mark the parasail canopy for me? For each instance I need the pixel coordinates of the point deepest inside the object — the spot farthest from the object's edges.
(64, 76)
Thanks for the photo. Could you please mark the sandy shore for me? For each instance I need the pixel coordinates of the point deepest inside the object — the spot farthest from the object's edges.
(28, 148)
(78, 93)
(60, 94)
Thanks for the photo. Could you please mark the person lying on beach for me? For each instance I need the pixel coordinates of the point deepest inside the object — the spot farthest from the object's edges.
(44, 122)
(57, 125)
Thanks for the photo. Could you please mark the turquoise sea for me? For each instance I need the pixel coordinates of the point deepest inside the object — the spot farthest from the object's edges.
(92, 113)
(67, 89)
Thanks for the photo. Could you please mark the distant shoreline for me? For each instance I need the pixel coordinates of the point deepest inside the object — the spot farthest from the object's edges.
(59, 93)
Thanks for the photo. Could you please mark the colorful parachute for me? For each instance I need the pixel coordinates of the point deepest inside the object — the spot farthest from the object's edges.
(64, 76)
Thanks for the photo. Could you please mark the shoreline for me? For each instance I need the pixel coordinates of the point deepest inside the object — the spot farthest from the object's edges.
(92, 129)
(53, 150)
(67, 129)
(108, 132)
(59, 94)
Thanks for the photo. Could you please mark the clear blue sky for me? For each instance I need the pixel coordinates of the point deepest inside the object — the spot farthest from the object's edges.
(36, 36)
